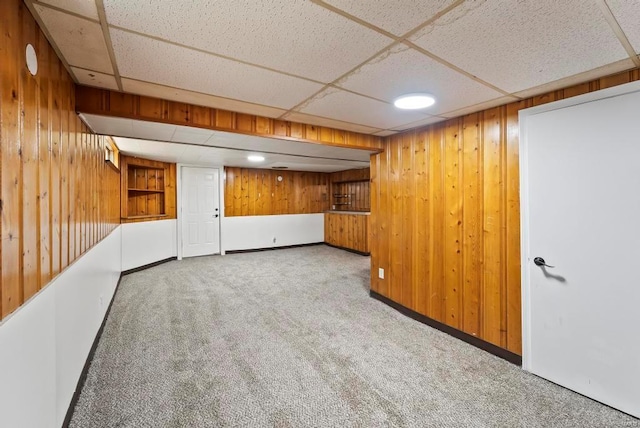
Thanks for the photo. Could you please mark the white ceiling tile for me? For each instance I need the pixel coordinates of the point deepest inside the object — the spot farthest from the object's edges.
(210, 156)
(152, 130)
(519, 45)
(341, 105)
(627, 13)
(616, 67)
(481, 106)
(236, 144)
(197, 98)
(330, 123)
(402, 70)
(81, 42)
(418, 123)
(106, 125)
(94, 78)
(147, 59)
(190, 135)
(81, 7)
(297, 37)
(396, 17)
(385, 133)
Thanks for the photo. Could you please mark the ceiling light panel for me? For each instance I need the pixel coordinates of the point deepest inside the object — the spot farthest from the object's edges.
(197, 98)
(519, 45)
(93, 78)
(403, 70)
(80, 41)
(627, 13)
(81, 7)
(143, 58)
(297, 37)
(338, 104)
(396, 17)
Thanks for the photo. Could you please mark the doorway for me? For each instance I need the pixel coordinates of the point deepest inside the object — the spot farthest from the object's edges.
(200, 209)
(580, 175)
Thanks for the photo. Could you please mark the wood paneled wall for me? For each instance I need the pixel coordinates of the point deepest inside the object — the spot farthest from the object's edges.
(111, 103)
(445, 219)
(249, 191)
(58, 197)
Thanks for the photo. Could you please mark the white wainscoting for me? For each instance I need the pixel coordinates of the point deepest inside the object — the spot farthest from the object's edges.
(250, 232)
(148, 242)
(45, 343)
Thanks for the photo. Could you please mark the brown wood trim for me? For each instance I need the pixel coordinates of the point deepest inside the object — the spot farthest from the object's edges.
(351, 250)
(105, 102)
(284, 247)
(147, 266)
(472, 340)
(87, 364)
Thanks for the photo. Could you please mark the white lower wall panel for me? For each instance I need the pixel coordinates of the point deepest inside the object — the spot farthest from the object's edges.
(148, 242)
(45, 343)
(250, 232)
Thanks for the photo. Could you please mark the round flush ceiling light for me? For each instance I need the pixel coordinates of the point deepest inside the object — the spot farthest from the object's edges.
(255, 158)
(414, 101)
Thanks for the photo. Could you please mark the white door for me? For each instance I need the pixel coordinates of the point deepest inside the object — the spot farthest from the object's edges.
(200, 211)
(580, 175)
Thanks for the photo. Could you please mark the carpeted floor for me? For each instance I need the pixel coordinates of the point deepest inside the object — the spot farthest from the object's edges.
(291, 338)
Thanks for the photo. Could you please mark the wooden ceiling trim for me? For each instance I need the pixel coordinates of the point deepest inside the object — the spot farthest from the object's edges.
(105, 102)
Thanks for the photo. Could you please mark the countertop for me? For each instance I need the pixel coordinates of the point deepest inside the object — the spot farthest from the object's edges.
(348, 212)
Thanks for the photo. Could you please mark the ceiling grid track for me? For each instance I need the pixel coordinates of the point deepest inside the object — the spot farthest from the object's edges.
(107, 38)
(615, 26)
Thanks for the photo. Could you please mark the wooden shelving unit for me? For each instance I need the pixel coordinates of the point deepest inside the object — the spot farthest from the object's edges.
(148, 189)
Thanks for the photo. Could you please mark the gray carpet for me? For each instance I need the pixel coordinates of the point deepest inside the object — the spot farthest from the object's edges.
(291, 338)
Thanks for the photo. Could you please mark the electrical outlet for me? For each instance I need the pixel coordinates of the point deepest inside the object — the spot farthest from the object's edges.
(274, 239)
(380, 273)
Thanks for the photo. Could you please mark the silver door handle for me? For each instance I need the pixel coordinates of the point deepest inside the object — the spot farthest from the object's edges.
(539, 261)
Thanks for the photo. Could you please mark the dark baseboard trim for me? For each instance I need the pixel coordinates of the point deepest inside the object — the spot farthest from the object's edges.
(150, 265)
(351, 250)
(284, 247)
(87, 363)
(472, 340)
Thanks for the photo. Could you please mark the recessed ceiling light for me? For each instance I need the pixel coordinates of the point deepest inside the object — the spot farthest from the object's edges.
(414, 101)
(255, 158)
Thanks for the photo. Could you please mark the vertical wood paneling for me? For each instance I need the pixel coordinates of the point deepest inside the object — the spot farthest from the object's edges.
(39, 156)
(29, 155)
(44, 163)
(449, 193)
(11, 122)
(493, 191)
(472, 223)
(252, 191)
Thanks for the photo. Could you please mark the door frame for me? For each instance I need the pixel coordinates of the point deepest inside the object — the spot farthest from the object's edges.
(525, 258)
(180, 202)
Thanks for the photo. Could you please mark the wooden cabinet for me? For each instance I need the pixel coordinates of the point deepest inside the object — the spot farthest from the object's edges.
(148, 189)
(347, 230)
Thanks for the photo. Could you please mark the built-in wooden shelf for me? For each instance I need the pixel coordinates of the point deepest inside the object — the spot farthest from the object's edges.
(138, 217)
(148, 189)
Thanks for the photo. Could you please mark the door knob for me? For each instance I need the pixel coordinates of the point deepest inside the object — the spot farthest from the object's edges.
(539, 261)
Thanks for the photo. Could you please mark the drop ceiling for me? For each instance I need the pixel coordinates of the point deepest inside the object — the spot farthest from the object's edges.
(340, 63)
(196, 146)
